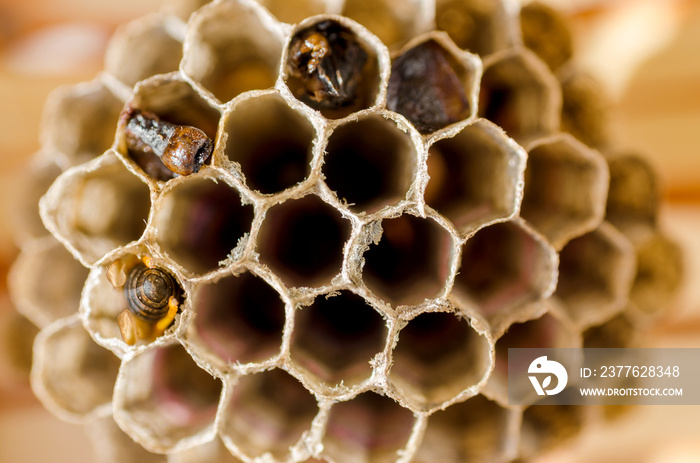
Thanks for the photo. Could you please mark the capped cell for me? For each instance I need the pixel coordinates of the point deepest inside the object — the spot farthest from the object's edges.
(270, 141)
(200, 221)
(164, 400)
(439, 357)
(267, 412)
(232, 47)
(368, 428)
(433, 83)
(374, 149)
(302, 241)
(566, 184)
(475, 176)
(335, 339)
(240, 319)
(519, 94)
(412, 252)
(96, 208)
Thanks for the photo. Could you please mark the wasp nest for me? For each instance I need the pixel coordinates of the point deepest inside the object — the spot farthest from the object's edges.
(311, 233)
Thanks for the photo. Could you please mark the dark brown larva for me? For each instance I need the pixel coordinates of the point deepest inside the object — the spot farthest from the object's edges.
(148, 291)
(163, 149)
(328, 60)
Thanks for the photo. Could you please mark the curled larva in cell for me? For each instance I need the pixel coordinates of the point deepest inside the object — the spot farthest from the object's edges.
(152, 295)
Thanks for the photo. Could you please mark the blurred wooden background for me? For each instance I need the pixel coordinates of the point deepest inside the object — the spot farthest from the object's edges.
(646, 51)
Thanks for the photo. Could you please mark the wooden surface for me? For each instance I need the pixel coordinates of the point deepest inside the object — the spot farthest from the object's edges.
(658, 114)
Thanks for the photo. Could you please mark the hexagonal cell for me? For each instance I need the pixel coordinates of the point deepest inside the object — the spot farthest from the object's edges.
(413, 253)
(505, 266)
(302, 241)
(79, 121)
(633, 196)
(232, 47)
(659, 271)
(73, 376)
(566, 184)
(585, 108)
(472, 431)
(164, 400)
(23, 213)
(393, 21)
(475, 176)
(547, 426)
(112, 445)
(519, 94)
(96, 208)
(617, 333)
(46, 281)
(293, 12)
(240, 319)
(478, 26)
(129, 60)
(331, 68)
(271, 142)
(210, 452)
(335, 339)
(596, 272)
(267, 412)
(546, 32)
(173, 100)
(368, 428)
(438, 357)
(433, 84)
(200, 221)
(376, 151)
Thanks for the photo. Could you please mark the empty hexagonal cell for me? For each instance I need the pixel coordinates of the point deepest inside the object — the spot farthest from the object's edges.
(585, 108)
(368, 428)
(566, 184)
(475, 176)
(410, 262)
(200, 221)
(170, 99)
(289, 12)
(302, 241)
(267, 412)
(112, 445)
(519, 94)
(438, 357)
(163, 399)
(370, 163)
(331, 68)
(102, 302)
(393, 21)
(46, 281)
(547, 426)
(130, 60)
(545, 31)
(505, 266)
(633, 196)
(472, 431)
(271, 142)
(23, 214)
(232, 47)
(240, 318)
(659, 271)
(433, 84)
(97, 208)
(335, 339)
(79, 121)
(478, 26)
(73, 376)
(596, 272)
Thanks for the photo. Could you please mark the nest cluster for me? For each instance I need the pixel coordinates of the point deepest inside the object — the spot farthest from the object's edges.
(398, 192)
